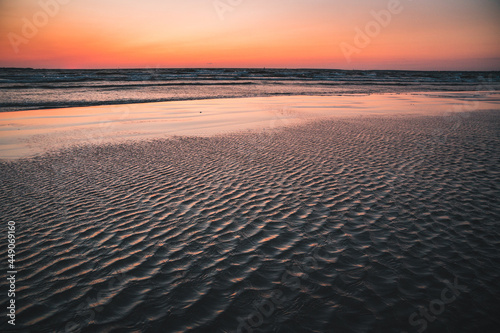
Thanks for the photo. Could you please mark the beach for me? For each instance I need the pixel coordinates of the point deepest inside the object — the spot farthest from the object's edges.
(354, 213)
(35, 132)
(232, 166)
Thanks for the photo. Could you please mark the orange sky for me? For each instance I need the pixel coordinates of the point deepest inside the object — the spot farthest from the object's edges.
(423, 34)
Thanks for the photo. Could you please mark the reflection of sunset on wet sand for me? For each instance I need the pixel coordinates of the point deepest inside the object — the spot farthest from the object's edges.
(28, 133)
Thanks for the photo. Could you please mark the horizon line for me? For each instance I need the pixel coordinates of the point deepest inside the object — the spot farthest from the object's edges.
(262, 68)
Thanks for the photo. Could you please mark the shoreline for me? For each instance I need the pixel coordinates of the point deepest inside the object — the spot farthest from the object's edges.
(25, 134)
(288, 94)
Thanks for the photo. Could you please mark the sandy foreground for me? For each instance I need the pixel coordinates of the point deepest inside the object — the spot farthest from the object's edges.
(346, 223)
(31, 133)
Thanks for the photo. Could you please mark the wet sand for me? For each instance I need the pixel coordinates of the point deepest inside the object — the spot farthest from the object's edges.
(345, 224)
(31, 133)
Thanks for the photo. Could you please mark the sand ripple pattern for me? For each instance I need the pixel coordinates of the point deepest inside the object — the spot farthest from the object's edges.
(346, 225)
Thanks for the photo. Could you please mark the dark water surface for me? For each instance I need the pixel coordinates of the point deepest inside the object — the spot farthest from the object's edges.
(372, 224)
(29, 89)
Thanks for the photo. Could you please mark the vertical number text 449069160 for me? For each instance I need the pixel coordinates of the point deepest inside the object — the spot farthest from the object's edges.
(11, 272)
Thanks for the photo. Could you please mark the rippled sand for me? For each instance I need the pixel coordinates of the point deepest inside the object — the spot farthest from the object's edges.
(340, 225)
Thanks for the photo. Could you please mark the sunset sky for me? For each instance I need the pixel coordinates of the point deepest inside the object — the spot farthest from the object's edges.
(418, 34)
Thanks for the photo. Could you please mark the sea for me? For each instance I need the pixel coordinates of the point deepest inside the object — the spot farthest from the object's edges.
(28, 89)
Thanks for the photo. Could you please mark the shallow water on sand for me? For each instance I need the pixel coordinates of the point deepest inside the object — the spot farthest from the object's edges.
(31, 133)
(345, 225)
